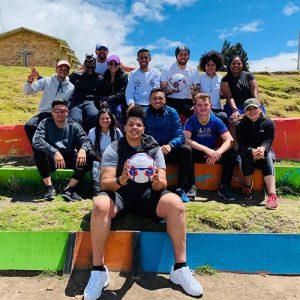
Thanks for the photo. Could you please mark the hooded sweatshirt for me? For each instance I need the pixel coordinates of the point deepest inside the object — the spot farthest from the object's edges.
(52, 89)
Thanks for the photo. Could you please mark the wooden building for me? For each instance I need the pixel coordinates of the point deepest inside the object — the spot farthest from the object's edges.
(26, 47)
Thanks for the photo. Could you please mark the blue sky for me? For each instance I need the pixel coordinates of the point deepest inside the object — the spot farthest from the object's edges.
(267, 29)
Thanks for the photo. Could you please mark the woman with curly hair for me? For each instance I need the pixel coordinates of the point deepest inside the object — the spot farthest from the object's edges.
(101, 136)
(210, 81)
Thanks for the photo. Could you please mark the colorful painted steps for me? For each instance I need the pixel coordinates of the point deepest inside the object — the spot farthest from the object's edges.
(13, 140)
(151, 252)
(207, 177)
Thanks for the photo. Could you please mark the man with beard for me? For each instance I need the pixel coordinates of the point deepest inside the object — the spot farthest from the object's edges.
(101, 61)
(179, 93)
(81, 105)
(142, 81)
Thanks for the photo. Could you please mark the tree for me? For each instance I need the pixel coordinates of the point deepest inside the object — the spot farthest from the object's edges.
(228, 51)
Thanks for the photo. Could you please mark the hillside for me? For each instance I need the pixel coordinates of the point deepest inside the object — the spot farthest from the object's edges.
(280, 93)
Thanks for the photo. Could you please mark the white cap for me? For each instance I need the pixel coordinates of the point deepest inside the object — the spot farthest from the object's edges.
(62, 63)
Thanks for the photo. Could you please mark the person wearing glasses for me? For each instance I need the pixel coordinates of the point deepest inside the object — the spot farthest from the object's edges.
(142, 81)
(112, 88)
(82, 103)
(56, 86)
(60, 144)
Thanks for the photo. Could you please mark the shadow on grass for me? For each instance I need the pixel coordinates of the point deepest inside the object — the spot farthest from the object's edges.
(149, 281)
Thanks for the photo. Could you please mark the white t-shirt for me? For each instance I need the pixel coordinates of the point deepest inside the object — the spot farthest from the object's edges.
(105, 138)
(140, 85)
(101, 67)
(211, 86)
(190, 73)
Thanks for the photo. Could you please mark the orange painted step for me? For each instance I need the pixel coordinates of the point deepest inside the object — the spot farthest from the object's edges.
(118, 251)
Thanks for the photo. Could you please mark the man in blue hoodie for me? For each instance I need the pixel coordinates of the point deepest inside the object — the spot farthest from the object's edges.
(163, 123)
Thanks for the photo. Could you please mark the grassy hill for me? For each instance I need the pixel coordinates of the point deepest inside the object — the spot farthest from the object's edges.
(280, 93)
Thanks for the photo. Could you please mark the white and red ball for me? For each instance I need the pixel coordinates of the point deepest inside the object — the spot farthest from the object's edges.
(177, 82)
(141, 168)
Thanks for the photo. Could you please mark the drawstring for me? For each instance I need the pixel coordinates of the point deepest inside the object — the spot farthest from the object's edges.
(59, 89)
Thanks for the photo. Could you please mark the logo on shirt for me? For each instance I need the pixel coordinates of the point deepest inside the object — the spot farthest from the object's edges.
(137, 83)
(152, 83)
(204, 132)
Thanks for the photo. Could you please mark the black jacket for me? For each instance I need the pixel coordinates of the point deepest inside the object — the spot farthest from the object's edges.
(251, 135)
(113, 92)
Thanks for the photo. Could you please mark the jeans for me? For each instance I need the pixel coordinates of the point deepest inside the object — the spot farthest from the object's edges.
(96, 173)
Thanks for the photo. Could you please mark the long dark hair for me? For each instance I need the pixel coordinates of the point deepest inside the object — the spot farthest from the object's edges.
(112, 127)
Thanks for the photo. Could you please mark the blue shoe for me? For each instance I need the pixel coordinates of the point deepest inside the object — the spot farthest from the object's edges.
(184, 197)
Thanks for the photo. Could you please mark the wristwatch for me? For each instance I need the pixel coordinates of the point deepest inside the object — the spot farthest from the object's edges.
(118, 181)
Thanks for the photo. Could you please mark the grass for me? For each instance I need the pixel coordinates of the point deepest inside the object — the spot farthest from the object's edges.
(206, 270)
(280, 93)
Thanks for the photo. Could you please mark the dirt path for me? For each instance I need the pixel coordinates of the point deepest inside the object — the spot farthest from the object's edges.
(221, 286)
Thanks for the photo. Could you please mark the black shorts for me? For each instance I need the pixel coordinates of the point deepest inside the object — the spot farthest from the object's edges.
(141, 204)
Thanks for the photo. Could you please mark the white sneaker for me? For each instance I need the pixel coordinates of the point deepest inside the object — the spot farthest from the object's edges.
(184, 277)
(97, 282)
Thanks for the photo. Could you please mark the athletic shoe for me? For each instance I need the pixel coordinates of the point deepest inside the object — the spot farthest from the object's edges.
(272, 202)
(184, 277)
(97, 191)
(181, 193)
(247, 192)
(97, 282)
(70, 195)
(192, 192)
(50, 193)
(225, 193)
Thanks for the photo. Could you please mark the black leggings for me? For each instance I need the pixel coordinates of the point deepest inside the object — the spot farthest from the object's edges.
(181, 156)
(248, 165)
(45, 163)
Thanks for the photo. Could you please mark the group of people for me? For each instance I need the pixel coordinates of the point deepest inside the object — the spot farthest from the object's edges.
(98, 117)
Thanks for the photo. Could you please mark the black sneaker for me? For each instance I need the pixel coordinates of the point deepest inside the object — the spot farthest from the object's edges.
(70, 195)
(50, 193)
(192, 192)
(225, 193)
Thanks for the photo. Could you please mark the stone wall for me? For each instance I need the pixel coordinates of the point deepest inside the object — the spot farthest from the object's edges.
(46, 52)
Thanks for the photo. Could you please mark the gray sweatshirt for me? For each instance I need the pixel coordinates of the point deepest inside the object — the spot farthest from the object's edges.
(52, 89)
(67, 140)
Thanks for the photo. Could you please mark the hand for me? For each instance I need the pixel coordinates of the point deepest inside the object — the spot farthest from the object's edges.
(81, 158)
(234, 117)
(130, 107)
(125, 173)
(166, 149)
(35, 73)
(210, 161)
(59, 161)
(258, 153)
(213, 154)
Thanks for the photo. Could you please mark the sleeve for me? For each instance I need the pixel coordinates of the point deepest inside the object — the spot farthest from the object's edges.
(159, 160)
(225, 79)
(196, 79)
(82, 141)
(188, 126)
(92, 136)
(129, 92)
(110, 157)
(156, 79)
(269, 135)
(177, 132)
(164, 75)
(250, 76)
(39, 140)
(121, 91)
(33, 88)
(119, 133)
(221, 126)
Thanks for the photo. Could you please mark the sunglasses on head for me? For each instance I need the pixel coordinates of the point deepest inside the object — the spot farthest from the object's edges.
(113, 64)
(60, 111)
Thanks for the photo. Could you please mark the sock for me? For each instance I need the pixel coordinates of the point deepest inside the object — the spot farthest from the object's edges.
(179, 265)
(50, 187)
(99, 268)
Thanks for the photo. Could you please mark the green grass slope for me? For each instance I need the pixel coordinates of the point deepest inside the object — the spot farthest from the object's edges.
(280, 93)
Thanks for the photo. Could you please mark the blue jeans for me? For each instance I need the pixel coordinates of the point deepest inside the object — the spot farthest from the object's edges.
(84, 113)
(96, 173)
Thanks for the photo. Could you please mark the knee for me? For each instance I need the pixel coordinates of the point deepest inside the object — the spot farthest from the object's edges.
(101, 206)
(174, 205)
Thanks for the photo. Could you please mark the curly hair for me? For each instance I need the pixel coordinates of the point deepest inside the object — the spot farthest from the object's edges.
(213, 55)
(137, 112)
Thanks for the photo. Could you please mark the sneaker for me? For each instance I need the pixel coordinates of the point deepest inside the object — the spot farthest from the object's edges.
(225, 193)
(272, 202)
(96, 192)
(247, 192)
(181, 193)
(70, 195)
(192, 192)
(97, 282)
(185, 278)
(50, 193)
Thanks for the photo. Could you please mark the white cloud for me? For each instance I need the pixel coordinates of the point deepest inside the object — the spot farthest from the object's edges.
(280, 62)
(290, 9)
(292, 43)
(254, 26)
(163, 44)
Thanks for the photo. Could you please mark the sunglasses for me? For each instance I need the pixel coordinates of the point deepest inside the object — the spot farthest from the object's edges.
(113, 64)
(60, 111)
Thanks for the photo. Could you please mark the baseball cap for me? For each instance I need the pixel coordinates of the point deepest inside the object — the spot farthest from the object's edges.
(251, 102)
(114, 58)
(182, 48)
(101, 45)
(63, 63)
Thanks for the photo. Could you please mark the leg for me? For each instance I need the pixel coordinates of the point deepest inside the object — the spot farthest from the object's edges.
(75, 113)
(247, 166)
(90, 113)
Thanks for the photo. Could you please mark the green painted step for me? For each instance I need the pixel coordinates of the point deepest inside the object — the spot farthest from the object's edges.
(28, 176)
(33, 250)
